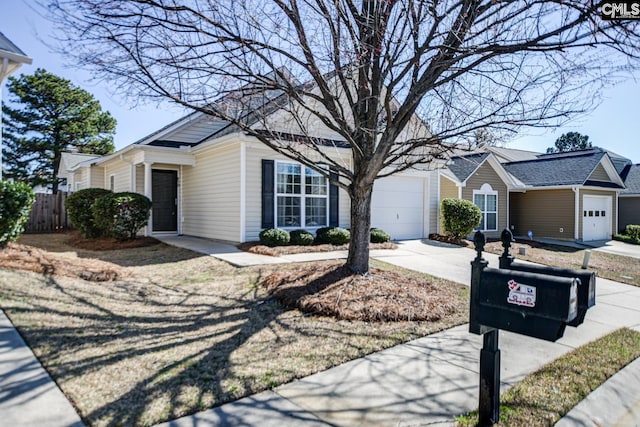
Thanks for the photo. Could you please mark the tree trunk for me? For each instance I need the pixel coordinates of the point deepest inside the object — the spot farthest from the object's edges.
(358, 259)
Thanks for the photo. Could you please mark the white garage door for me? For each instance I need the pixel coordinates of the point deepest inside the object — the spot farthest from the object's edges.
(397, 207)
(596, 218)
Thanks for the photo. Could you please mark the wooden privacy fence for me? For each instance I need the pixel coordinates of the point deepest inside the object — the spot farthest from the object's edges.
(48, 214)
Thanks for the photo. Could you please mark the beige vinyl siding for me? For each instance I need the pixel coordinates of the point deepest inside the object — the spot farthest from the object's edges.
(487, 175)
(122, 176)
(80, 179)
(97, 177)
(211, 194)
(544, 212)
(614, 210)
(629, 208)
(433, 201)
(599, 174)
(139, 179)
(254, 156)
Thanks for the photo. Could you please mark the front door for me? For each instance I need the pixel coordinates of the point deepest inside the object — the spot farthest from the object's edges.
(164, 194)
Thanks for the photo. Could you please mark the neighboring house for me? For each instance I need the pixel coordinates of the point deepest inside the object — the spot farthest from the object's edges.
(570, 196)
(71, 177)
(629, 199)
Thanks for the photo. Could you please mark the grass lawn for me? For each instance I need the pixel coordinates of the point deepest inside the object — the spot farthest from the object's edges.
(609, 266)
(169, 332)
(548, 394)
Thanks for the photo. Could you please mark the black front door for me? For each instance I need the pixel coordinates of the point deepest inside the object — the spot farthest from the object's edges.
(164, 193)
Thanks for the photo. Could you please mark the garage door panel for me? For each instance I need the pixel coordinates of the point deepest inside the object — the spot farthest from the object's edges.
(596, 218)
(397, 207)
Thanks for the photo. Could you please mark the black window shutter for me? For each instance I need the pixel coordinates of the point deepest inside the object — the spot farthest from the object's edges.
(333, 202)
(268, 193)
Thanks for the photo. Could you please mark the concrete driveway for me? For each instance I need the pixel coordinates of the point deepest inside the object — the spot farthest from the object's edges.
(617, 248)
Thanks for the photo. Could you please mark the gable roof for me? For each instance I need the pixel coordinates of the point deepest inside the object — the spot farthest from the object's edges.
(632, 180)
(8, 46)
(504, 154)
(559, 169)
(463, 167)
(71, 160)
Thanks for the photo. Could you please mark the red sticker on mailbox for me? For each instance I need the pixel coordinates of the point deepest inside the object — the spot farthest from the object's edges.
(520, 294)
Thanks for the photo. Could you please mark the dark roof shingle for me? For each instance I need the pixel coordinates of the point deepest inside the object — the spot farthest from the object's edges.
(573, 168)
(632, 180)
(8, 46)
(463, 166)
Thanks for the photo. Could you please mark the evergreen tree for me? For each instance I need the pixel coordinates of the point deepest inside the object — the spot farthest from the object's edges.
(570, 141)
(46, 115)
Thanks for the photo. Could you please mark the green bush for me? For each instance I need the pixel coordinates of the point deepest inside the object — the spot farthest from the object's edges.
(16, 199)
(460, 217)
(301, 237)
(633, 231)
(379, 236)
(80, 210)
(121, 215)
(274, 237)
(333, 235)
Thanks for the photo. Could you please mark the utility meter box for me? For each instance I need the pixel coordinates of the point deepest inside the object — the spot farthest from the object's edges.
(532, 304)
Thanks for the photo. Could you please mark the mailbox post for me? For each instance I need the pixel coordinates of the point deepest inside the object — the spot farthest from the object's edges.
(536, 301)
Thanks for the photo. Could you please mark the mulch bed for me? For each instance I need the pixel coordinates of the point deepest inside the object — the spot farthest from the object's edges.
(109, 243)
(333, 290)
(24, 257)
(257, 248)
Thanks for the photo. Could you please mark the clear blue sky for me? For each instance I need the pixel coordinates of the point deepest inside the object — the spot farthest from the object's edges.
(612, 125)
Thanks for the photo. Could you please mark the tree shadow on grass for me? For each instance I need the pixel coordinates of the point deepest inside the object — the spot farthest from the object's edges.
(191, 340)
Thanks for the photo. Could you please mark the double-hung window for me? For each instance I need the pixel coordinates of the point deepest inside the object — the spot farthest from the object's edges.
(487, 200)
(301, 197)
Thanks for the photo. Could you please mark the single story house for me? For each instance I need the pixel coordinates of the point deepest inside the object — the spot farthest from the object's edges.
(209, 180)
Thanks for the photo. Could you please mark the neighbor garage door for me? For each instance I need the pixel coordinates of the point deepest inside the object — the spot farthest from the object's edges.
(397, 207)
(596, 218)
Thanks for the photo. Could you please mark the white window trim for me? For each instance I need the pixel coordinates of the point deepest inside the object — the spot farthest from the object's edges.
(302, 196)
(486, 190)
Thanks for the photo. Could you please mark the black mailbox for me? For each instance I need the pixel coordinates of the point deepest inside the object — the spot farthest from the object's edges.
(586, 288)
(531, 304)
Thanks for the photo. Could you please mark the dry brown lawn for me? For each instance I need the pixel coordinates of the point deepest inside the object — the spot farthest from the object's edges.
(174, 332)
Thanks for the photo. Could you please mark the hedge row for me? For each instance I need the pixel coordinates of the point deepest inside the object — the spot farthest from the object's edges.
(331, 235)
(97, 212)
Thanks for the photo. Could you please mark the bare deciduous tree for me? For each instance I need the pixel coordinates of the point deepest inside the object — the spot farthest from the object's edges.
(400, 82)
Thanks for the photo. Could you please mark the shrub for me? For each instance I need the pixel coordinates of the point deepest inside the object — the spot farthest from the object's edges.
(16, 199)
(80, 210)
(460, 217)
(379, 236)
(333, 235)
(626, 239)
(121, 215)
(633, 231)
(301, 237)
(274, 237)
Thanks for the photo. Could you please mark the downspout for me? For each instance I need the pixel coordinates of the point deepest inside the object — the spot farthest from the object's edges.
(438, 206)
(576, 204)
(180, 216)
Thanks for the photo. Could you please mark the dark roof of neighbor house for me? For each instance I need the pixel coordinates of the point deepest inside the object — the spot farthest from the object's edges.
(570, 168)
(8, 46)
(463, 166)
(632, 180)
